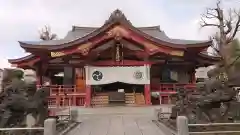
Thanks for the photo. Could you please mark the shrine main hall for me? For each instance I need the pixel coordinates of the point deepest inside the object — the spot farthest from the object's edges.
(115, 64)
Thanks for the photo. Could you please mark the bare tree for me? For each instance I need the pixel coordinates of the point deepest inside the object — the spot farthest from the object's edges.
(46, 33)
(228, 25)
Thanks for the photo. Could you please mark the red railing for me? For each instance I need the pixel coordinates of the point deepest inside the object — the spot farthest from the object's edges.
(65, 95)
(167, 89)
(171, 87)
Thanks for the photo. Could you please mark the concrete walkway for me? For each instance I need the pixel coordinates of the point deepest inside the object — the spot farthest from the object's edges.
(116, 121)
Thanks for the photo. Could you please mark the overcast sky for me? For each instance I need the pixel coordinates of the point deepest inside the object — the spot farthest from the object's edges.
(20, 20)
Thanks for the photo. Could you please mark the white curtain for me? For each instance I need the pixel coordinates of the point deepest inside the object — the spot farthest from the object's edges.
(106, 75)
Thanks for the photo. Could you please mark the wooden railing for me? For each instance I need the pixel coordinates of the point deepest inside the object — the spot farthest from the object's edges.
(65, 95)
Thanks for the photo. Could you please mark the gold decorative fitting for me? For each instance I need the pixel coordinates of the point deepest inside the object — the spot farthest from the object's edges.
(84, 46)
(85, 51)
(57, 54)
(177, 53)
(118, 32)
(118, 37)
(150, 46)
(117, 53)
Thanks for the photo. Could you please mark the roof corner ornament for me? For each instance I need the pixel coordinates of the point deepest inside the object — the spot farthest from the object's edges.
(117, 15)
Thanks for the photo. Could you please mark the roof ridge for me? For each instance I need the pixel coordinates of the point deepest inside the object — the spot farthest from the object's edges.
(74, 27)
(154, 27)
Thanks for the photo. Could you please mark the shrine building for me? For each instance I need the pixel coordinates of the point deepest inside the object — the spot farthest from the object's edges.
(114, 64)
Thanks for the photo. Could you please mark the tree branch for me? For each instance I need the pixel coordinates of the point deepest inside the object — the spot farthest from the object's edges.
(229, 22)
(236, 28)
(215, 46)
(210, 14)
(204, 23)
(215, 49)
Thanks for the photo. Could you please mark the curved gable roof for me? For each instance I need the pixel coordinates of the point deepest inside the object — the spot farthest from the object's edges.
(81, 34)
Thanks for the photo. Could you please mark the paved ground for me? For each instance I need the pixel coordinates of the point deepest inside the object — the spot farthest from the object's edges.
(116, 121)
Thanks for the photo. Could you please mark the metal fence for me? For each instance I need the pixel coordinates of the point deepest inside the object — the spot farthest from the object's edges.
(183, 127)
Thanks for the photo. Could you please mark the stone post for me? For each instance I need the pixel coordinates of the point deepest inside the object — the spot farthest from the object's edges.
(50, 127)
(74, 115)
(30, 120)
(182, 125)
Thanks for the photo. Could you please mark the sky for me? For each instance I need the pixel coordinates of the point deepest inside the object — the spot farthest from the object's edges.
(21, 20)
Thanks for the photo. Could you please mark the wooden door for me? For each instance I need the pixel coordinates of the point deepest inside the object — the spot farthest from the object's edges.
(80, 80)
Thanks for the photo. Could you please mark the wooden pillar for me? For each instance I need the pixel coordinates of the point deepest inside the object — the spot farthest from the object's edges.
(41, 70)
(39, 80)
(193, 77)
(88, 96)
(58, 99)
(147, 87)
(39, 74)
(74, 101)
(74, 97)
(147, 94)
(160, 99)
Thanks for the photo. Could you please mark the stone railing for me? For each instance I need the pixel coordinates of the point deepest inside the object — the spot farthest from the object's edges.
(48, 129)
(183, 127)
(50, 126)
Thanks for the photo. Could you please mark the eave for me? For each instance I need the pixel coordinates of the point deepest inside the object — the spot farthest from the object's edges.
(22, 59)
(24, 62)
(123, 63)
(209, 57)
(205, 60)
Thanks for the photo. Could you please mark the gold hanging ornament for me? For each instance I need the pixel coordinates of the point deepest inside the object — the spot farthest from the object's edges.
(117, 53)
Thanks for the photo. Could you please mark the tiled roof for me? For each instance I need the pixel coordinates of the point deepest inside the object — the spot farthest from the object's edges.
(78, 32)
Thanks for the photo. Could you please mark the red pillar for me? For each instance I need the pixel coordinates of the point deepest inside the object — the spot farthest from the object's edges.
(88, 96)
(38, 80)
(147, 94)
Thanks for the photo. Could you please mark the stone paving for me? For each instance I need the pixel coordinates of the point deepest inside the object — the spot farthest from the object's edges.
(116, 121)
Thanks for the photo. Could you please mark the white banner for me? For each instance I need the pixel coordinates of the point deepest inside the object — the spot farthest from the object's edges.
(106, 75)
